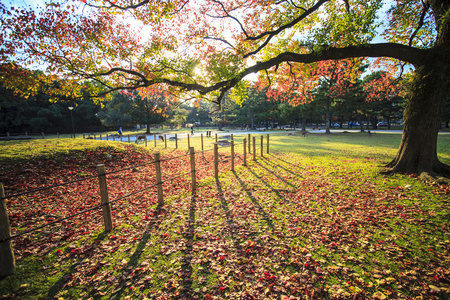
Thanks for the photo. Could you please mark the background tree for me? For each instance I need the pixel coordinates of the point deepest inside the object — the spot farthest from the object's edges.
(206, 50)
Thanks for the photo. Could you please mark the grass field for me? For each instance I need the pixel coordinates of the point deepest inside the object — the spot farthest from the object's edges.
(311, 220)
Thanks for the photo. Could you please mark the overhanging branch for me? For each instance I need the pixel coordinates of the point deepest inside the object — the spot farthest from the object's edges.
(408, 54)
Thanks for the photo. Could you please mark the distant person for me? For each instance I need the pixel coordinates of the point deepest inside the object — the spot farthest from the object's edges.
(120, 132)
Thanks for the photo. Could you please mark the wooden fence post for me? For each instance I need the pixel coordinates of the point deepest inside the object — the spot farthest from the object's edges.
(249, 144)
(176, 141)
(128, 138)
(154, 138)
(202, 142)
(193, 173)
(216, 161)
(216, 137)
(100, 136)
(267, 143)
(145, 140)
(159, 179)
(254, 148)
(189, 141)
(7, 261)
(114, 137)
(232, 154)
(165, 140)
(232, 138)
(245, 152)
(262, 146)
(106, 206)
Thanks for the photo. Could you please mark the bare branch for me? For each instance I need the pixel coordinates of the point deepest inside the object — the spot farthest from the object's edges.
(426, 7)
(271, 34)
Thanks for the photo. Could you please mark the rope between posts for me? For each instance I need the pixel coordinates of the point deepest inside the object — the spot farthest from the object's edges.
(52, 222)
(167, 159)
(128, 168)
(133, 193)
(49, 187)
(73, 181)
(206, 150)
(171, 178)
(204, 167)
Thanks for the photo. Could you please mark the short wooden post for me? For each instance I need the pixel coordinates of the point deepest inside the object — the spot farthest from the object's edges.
(165, 140)
(267, 143)
(7, 261)
(245, 152)
(232, 155)
(249, 143)
(216, 161)
(232, 138)
(43, 135)
(201, 136)
(95, 137)
(254, 148)
(189, 141)
(145, 140)
(106, 206)
(114, 137)
(159, 179)
(216, 137)
(262, 146)
(128, 138)
(100, 136)
(154, 138)
(176, 141)
(193, 173)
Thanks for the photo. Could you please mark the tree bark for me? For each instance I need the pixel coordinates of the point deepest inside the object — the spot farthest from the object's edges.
(418, 149)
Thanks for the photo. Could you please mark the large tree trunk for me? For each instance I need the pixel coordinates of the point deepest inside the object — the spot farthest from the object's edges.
(418, 151)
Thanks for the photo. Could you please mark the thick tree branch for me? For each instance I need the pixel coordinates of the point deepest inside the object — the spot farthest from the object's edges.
(411, 55)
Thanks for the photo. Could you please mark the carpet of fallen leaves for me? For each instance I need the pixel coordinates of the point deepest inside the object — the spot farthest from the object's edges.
(281, 228)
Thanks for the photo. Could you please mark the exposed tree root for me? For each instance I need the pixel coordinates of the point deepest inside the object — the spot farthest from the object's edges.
(440, 172)
(434, 178)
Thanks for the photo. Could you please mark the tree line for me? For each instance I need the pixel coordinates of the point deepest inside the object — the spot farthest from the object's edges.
(262, 108)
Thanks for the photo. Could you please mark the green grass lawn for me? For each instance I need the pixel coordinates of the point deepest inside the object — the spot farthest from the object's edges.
(311, 220)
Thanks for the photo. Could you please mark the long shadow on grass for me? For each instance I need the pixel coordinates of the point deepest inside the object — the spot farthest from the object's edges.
(186, 265)
(266, 161)
(277, 165)
(136, 256)
(56, 287)
(232, 227)
(270, 187)
(255, 201)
